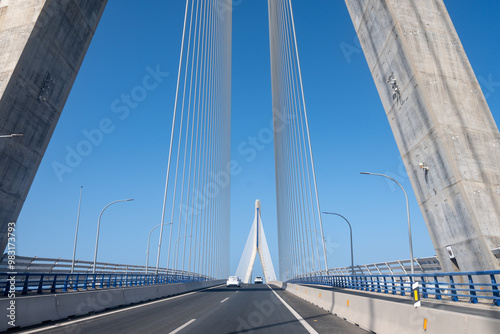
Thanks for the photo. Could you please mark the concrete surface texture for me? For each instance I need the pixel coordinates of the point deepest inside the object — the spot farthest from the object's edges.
(442, 124)
(42, 47)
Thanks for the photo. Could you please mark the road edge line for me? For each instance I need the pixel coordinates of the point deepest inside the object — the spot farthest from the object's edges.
(295, 313)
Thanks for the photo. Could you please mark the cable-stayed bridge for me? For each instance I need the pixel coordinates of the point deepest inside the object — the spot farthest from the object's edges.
(454, 180)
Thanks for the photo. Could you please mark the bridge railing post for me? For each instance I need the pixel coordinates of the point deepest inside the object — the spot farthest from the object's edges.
(25, 285)
(410, 284)
(40, 285)
(454, 295)
(438, 288)
(75, 286)
(54, 283)
(472, 292)
(65, 287)
(494, 287)
(424, 288)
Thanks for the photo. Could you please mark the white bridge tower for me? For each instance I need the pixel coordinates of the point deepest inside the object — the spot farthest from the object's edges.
(256, 242)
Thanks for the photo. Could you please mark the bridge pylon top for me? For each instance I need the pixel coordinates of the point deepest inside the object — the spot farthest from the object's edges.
(256, 243)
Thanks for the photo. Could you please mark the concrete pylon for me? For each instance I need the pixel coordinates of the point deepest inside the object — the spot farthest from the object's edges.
(256, 243)
(43, 43)
(442, 124)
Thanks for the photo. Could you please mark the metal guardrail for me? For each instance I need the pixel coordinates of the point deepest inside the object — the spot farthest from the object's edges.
(39, 283)
(42, 275)
(456, 286)
(25, 264)
(422, 265)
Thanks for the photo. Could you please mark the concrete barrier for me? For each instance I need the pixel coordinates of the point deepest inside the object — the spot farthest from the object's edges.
(385, 316)
(39, 309)
(81, 303)
(32, 310)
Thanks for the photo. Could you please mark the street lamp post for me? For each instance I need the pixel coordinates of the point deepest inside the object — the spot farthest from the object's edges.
(147, 251)
(76, 233)
(350, 231)
(407, 213)
(99, 225)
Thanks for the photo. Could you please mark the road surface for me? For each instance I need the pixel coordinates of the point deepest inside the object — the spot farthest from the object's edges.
(255, 308)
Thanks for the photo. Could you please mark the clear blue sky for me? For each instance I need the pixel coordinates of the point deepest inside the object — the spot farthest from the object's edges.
(349, 132)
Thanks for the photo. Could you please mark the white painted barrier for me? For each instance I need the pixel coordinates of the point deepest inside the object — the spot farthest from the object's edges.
(385, 316)
(32, 310)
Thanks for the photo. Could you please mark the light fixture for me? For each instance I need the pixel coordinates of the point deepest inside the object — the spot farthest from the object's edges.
(450, 252)
(496, 252)
(423, 166)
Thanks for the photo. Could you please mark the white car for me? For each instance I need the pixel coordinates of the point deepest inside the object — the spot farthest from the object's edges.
(258, 280)
(233, 281)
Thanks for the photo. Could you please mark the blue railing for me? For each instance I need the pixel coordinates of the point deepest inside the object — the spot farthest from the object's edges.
(39, 283)
(457, 286)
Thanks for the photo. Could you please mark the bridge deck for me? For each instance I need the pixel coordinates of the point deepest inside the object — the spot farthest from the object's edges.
(213, 310)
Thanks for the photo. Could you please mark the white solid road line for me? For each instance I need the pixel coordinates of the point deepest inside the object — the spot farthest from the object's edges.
(222, 301)
(183, 326)
(299, 318)
(72, 322)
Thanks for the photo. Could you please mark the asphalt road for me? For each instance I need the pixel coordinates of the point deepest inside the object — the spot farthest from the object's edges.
(251, 308)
